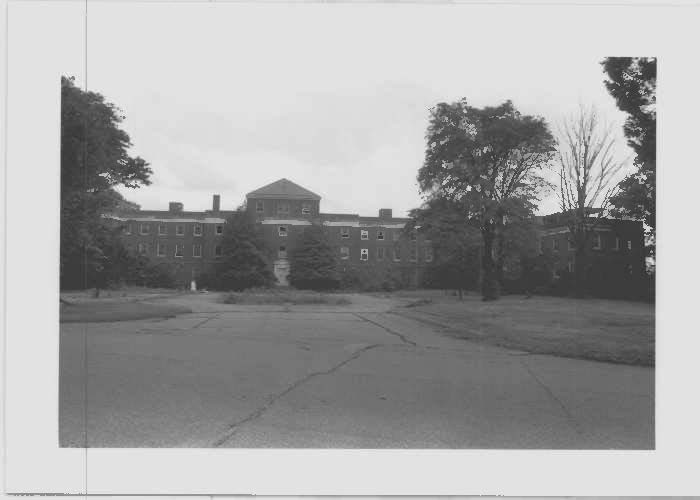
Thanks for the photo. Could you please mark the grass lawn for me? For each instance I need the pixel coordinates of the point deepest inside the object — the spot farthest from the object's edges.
(284, 296)
(596, 329)
(101, 311)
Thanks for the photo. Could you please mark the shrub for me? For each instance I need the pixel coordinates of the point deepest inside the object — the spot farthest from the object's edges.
(313, 264)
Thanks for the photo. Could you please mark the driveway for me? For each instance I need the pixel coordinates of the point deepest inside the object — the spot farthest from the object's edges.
(355, 376)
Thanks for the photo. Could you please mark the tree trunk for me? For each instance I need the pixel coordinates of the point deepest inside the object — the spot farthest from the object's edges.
(489, 282)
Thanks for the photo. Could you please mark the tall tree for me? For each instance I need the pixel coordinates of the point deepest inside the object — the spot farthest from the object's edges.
(632, 83)
(94, 160)
(588, 167)
(489, 160)
(313, 264)
(245, 262)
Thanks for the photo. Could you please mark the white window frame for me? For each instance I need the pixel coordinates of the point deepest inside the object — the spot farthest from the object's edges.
(194, 250)
(570, 266)
(140, 245)
(305, 208)
(196, 226)
(428, 254)
(629, 244)
(127, 229)
(219, 229)
(413, 253)
(162, 229)
(397, 254)
(413, 236)
(144, 225)
(597, 242)
(181, 247)
(177, 230)
(555, 244)
(617, 243)
(364, 234)
(380, 234)
(570, 244)
(282, 252)
(218, 251)
(345, 233)
(344, 253)
(161, 249)
(364, 254)
(282, 231)
(259, 206)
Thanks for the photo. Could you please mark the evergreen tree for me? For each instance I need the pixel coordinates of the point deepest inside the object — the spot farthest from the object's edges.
(245, 263)
(313, 263)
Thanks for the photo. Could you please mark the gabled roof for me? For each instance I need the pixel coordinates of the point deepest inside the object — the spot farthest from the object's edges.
(284, 189)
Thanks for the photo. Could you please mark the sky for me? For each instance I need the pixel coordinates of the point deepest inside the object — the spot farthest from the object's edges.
(225, 98)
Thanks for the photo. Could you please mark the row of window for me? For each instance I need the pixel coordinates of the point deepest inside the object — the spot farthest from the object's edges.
(382, 251)
(364, 234)
(178, 249)
(597, 244)
(144, 228)
(282, 208)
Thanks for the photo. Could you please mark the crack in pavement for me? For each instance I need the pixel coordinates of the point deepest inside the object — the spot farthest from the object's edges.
(388, 330)
(567, 413)
(233, 428)
(208, 319)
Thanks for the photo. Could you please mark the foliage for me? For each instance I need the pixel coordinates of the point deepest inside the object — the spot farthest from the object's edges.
(632, 83)
(94, 160)
(370, 277)
(587, 166)
(489, 162)
(245, 263)
(313, 263)
(281, 296)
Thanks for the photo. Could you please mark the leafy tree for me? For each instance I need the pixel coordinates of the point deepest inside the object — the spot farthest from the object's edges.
(245, 263)
(456, 242)
(632, 83)
(94, 160)
(588, 166)
(488, 161)
(313, 264)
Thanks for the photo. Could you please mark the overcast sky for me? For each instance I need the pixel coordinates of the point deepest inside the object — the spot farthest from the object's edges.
(225, 98)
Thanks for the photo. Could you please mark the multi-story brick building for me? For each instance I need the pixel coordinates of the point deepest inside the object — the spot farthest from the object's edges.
(192, 240)
(616, 247)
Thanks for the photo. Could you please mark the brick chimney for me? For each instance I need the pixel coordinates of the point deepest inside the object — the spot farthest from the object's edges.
(216, 203)
(175, 207)
(385, 213)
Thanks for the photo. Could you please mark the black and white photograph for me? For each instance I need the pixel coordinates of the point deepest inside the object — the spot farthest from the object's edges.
(347, 227)
(368, 252)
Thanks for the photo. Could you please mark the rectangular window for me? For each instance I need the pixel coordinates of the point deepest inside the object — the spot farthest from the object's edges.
(218, 251)
(197, 230)
(617, 243)
(219, 229)
(413, 236)
(179, 249)
(145, 228)
(344, 253)
(260, 206)
(597, 244)
(162, 229)
(127, 229)
(162, 249)
(380, 235)
(570, 266)
(570, 244)
(413, 255)
(197, 250)
(629, 244)
(397, 253)
(345, 232)
(282, 230)
(395, 235)
(364, 254)
(380, 253)
(305, 209)
(283, 208)
(282, 252)
(364, 234)
(180, 230)
(428, 254)
(142, 248)
(555, 244)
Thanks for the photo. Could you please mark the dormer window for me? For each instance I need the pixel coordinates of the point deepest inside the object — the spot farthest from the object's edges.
(305, 209)
(345, 232)
(162, 229)
(260, 206)
(197, 231)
